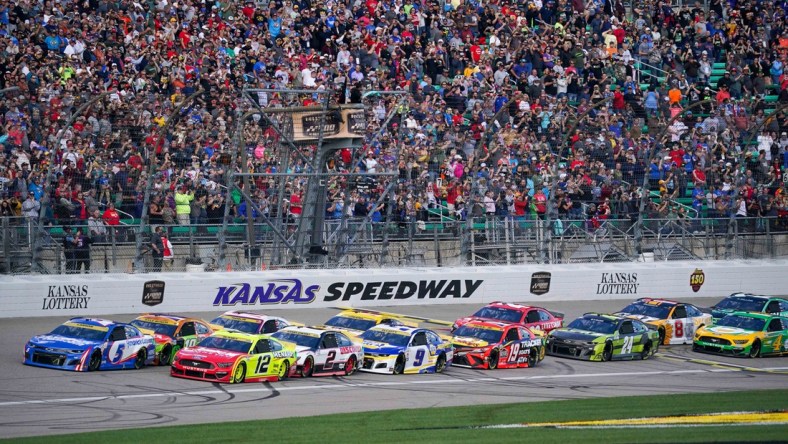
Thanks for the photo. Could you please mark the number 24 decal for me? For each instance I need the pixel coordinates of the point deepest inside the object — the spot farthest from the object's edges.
(627, 347)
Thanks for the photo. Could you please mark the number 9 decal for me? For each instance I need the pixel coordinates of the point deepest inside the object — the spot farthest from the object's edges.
(419, 358)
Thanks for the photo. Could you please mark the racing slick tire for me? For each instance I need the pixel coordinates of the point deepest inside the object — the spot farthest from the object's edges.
(139, 361)
(607, 352)
(284, 371)
(95, 361)
(661, 331)
(533, 357)
(755, 350)
(350, 365)
(165, 355)
(542, 352)
(240, 373)
(440, 364)
(492, 362)
(399, 365)
(646, 352)
(308, 367)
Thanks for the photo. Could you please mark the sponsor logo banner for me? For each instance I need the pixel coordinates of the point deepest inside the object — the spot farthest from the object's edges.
(697, 278)
(66, 297)
(540, 283)
(387, 290)
(279, 291)
(153, 293)
(618, 283)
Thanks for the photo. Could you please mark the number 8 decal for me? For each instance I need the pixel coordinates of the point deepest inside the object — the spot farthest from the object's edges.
(419, 358)
(679, 329)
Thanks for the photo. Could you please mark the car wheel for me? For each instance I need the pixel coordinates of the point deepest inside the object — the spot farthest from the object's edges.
(440, 364)
(284, 371)
(661, 335)
(542, 352)
(95, 361)
(755, 350)
(399, 365)
(165, 355)
(492, 362)
(533, 357)
(607, 353)
(308, 367)
(240, 373)
(695, 347)
(350, 365)
(139, 361)
(646, 352)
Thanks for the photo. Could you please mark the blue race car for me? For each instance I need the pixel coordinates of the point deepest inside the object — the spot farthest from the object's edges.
(88, 344)
(401, 349)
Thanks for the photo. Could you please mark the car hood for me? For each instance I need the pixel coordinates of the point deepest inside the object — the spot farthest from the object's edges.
(575, 335)
(642, 318)
(382, 348)
(728, 331)
(349, 331)
(57, 341)
(465, 341)
(209, 354)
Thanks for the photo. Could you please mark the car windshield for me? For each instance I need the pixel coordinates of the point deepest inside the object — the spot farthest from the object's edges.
(297, 338)
(75, 331)
(228, 344)
(485, 334)
(500, 314)
(162, 329)
(652, 311)
(742, 304)
(351, 323)
(743, 322)
(386, 337)
(596, 325)
(240, 324)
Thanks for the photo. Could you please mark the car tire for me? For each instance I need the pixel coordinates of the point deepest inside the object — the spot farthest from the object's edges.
(165, 356)
(755, 349)
(646, 352)
(308, 367)
(661, 331)
(399, 365)
(95, 361)
(542, 352)
(350, 365)
(139, 361)
(607, 352)
(533, 357)
(440, 363)
(240, 374)
(284, 371)
(492, 361)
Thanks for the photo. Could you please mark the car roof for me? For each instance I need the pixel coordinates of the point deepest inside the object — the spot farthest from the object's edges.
(309, 331)
(493, 325)
(248, 315)
(750, 296)
(165, 318)
(653, 301)
(510, 305)
(607, 317)
(234, 334)
(756, 315)
(399, 329)
(96, 322)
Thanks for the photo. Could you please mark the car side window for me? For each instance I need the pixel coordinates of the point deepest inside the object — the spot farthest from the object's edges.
(419, 339)
(262, 346)
(639, 328)
(118, 334)
(544, 316)
(269, 326)
(280, 324)
(329, 341)
(276, 346)
(188, 329)
(626, 328)
(201, 329)
(433, 338)
(692, 311)
(773, 307)
(532, 316)
(512, 335)
(343, 340)
(680, 312)
(132, 332)
(783, 305)
(523, 332)
(775, 325)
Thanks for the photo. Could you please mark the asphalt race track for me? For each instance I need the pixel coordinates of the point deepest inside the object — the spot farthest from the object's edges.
(37, 401)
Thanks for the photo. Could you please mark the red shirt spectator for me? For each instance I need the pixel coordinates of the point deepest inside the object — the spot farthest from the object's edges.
(111, 216)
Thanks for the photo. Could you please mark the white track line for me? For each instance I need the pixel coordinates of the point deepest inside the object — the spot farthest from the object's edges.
(362, 385)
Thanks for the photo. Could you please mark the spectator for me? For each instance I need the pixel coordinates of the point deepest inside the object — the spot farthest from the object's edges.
(81, 252)
(31, 207)
(111, 216)
(183, 209)
(96, 228)
(157, 248)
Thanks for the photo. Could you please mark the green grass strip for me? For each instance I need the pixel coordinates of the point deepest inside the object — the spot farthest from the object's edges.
(453, 424)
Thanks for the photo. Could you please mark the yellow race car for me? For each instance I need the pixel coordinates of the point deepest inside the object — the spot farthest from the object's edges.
(744, 334)
(676, 322)
(355, 321)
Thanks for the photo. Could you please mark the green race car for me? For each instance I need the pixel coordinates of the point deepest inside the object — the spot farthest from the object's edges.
(172, 333)
(744, 334)
(751, 303)
(603, 337)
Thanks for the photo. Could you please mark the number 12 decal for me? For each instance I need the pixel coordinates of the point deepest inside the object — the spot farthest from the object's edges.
(419, 358)
(262, 365)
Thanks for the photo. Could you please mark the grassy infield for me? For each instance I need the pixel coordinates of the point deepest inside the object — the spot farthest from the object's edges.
(449, 424)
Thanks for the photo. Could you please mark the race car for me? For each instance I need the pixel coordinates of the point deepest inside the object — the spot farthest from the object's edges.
(751, 303)
(356, 321)
(676, 322)
(401, 349)
(603, 337)
(90, 344)
(322, 352)
(231, 356)
(532, 317)
(490, 345)
(251, 323)
(172, 333)
(744, 334)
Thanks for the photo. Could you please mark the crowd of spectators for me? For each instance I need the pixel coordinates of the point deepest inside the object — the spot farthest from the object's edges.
(492, 90)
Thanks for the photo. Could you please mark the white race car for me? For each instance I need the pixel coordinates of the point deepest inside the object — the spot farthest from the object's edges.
(322, 352)
(400, 349)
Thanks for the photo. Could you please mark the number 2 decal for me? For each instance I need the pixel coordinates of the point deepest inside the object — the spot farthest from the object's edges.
(419, 358)
(330, 360)
(514, 352)
(679, 329)
(627, 347)
(262, 365)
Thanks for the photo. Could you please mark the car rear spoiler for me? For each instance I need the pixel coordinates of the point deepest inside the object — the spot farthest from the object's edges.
(705, 310)
(397, 316)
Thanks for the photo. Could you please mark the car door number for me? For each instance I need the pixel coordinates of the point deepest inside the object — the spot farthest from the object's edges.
(627, 347)
(515, 352)
(262, 365)
(332, 355)
(190, 342)
(679, 325)
(419, 358)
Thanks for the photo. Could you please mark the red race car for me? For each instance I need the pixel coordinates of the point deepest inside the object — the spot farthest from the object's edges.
(491, 344)
(537, 318)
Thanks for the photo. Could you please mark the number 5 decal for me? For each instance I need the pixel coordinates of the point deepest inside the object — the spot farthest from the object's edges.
(627, 347)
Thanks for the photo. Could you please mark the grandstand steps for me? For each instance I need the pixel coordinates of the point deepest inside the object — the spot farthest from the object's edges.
(598, 252)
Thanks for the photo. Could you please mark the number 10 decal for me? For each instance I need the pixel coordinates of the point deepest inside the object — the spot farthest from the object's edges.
(419, 358)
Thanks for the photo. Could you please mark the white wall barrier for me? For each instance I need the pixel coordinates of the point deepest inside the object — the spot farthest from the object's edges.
(106, 294)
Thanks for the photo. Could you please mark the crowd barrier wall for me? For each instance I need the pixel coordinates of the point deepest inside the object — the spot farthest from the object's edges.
(107, 294)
